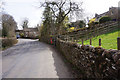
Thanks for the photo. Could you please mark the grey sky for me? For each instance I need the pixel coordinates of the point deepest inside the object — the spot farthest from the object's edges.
(21, 9)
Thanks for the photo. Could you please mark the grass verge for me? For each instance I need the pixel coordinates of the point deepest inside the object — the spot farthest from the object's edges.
(108, 40)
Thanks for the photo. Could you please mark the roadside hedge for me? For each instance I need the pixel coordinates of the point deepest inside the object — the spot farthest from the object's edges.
(8, 42)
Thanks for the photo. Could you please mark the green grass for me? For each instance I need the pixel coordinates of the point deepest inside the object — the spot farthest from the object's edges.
(108, 41)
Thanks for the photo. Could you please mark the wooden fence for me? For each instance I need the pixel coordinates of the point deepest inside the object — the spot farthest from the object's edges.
(90, 32)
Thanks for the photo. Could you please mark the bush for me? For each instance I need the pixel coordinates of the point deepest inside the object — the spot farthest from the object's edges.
(71, 29)
(96, 22)
(104, 19)
(92, 22)
(8, 42)
(22, 35)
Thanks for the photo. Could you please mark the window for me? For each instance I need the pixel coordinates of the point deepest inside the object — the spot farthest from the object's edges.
(34, 32)
(112, 13)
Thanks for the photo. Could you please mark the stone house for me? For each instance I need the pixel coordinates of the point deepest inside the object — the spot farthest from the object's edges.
(29, 32)
(18, 31)
(113, 13)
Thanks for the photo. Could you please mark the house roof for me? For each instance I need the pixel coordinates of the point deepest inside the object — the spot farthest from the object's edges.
(106, 13)
(18, 30)
(30, 29)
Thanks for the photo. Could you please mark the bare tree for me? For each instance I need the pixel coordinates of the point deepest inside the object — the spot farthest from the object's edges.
(61, 9)
(25, 23)
(8, 25)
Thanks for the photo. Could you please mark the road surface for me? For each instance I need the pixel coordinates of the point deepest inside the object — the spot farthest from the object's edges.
(33, 59)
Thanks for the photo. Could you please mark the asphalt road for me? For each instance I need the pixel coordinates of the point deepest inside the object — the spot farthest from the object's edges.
(33, 59)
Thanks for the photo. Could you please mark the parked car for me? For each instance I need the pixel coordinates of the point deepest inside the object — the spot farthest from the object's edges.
(17, 36)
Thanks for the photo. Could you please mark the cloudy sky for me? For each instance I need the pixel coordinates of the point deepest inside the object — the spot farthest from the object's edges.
(21, 9)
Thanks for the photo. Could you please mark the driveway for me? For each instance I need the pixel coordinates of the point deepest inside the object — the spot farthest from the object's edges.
(33, 59)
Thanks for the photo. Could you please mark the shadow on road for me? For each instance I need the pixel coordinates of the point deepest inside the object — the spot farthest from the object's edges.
(62, 67)
(48, 62)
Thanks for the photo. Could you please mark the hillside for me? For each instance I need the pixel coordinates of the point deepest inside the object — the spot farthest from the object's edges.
(108, 40)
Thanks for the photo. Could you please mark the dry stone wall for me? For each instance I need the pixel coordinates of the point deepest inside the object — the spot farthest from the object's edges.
(92, 62)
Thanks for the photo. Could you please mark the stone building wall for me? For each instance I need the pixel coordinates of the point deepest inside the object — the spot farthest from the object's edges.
(113, 12)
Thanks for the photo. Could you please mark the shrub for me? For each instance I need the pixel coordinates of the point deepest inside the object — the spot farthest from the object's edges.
(91, 22)
(96, 22)
(8, 42)
(104, 19)
(22, 35)
(71, 29)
